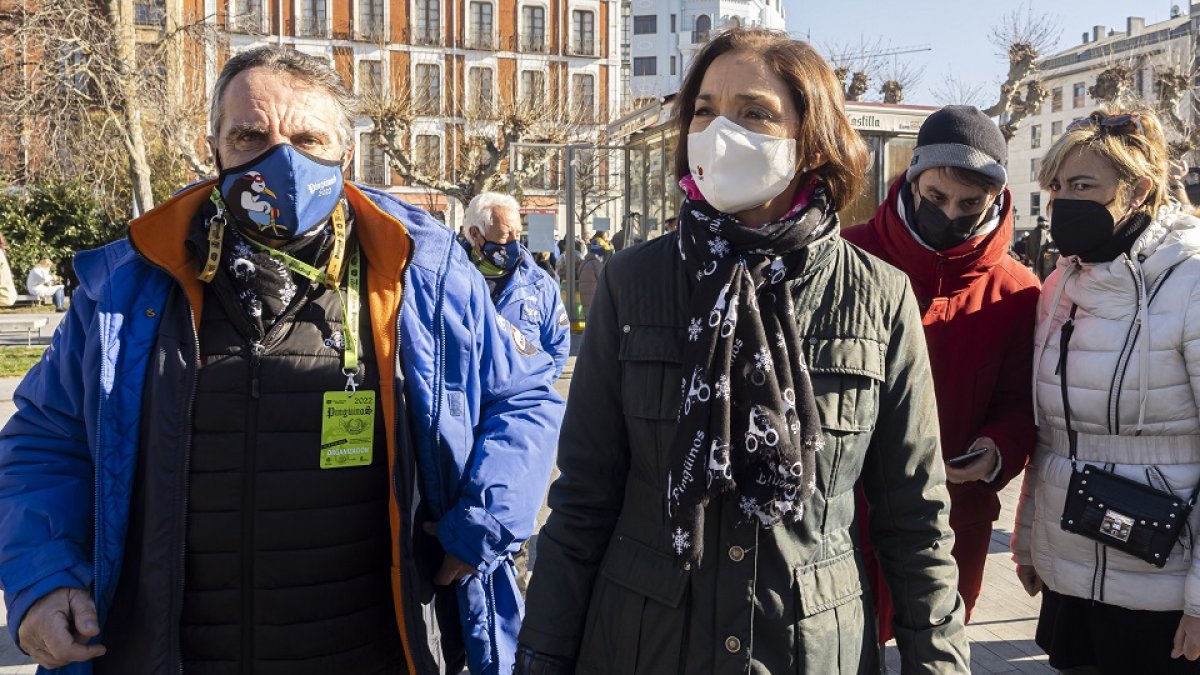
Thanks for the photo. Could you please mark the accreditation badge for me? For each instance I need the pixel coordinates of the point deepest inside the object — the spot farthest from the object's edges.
(347, 429)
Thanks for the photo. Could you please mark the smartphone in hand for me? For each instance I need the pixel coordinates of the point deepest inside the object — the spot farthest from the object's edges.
(967, 457)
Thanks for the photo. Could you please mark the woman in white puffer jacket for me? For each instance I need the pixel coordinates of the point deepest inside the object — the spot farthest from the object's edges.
(1128, 285)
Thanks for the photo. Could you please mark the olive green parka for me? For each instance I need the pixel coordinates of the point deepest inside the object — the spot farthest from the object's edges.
(606, 590)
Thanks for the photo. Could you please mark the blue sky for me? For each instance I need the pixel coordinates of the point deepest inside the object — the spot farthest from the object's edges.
(956, 30)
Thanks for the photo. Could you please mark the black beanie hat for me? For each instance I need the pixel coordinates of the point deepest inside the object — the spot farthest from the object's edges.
(960, 136)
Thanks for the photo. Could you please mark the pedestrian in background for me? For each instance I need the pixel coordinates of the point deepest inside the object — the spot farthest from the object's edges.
(735, 381)
(589, 276)
(523, 293)
(8, 289)
(42, 282)
(1102, 529)
(947, 224)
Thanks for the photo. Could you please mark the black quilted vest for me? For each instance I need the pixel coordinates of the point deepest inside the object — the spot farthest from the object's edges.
(286, 564)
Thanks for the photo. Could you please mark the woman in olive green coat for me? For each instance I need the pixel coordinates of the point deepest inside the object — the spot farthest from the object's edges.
(735, 381)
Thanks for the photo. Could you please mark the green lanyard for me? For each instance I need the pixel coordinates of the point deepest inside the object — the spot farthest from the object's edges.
(350, 301)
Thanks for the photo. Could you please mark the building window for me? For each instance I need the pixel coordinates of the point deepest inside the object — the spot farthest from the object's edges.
(481, 26)
(1056, 99)
(479, 85)
(369, 24)
(374, 161)
(583, 93)
(428, 94)
(370, 77)
(1035, 203)
(672, 65)
(1055, 130)
(428, 29)
(1139, 82)
(583, 33)
(703, 27)
(427, 153)
(673, 24)
(150, 13)
(1035, 136)
(533, 35)
(1035, 166)
(248, 16)
(1079, 100)
(314, 17)
(533, 87)
(645, 65)
(645, 25)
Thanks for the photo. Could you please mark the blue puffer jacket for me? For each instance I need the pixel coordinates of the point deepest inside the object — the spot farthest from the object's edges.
(531, 301)
(483, 420)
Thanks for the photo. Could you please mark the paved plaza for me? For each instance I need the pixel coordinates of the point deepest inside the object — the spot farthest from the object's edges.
(1001, 632)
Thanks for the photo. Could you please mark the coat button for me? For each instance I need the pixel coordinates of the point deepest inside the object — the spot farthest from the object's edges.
(625, 328)
(733, 645)
(736, 553)
(150, 313)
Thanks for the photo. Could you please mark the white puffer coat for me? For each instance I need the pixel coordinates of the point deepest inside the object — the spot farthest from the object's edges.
(1134, 381)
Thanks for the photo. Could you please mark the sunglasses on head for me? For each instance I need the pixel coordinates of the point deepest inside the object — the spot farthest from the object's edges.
(1118, 125)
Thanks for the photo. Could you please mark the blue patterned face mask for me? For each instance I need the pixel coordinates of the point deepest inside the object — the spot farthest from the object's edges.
(283, 193)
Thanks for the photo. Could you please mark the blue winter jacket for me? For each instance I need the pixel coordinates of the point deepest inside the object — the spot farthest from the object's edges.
(482, 415)
(531, 301)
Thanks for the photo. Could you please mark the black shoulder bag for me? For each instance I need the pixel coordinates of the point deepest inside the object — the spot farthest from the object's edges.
(1129, 516)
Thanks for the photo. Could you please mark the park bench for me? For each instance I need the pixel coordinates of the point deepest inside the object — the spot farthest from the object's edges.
(13, 324)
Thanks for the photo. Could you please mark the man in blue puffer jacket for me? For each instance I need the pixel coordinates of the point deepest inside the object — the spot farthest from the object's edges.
(524, 293)
(281, 428)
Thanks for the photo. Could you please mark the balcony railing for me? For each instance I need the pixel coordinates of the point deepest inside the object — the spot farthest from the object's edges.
(311, 26)
(533, 43)
(427, 105)
(250, 22)
(149, 15)
(429, 37)
(484, 41)
(583, 48)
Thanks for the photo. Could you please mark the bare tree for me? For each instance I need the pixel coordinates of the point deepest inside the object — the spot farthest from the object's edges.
(954, 90)
(1177, 106)
(855, 65)
(96, 105)
(597, 183)
(899, 77)
(483, 135)
(1022, 37)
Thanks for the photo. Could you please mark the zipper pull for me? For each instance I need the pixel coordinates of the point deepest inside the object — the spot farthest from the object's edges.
(256, 350)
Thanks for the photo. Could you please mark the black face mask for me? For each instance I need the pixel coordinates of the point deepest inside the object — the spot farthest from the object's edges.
(1081, 227)
(941, 232)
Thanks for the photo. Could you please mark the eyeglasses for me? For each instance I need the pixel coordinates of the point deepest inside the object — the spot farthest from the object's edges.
(1118, 125)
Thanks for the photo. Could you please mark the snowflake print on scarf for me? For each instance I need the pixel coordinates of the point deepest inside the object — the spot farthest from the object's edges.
(746, 343)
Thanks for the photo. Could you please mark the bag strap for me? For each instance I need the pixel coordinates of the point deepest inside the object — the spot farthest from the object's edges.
(1064, 345)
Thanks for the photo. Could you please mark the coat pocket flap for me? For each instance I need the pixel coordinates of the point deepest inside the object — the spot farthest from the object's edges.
(828, 584)
(651, 343)
(846, 356)
(645, 570)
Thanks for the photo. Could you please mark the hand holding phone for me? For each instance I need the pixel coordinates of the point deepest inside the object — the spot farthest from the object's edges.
(967, 457)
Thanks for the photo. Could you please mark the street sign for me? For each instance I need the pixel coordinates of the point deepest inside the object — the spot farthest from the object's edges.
(541, 232)
(601, 224)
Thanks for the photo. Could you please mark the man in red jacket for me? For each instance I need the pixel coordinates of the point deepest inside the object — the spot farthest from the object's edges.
(948, 224)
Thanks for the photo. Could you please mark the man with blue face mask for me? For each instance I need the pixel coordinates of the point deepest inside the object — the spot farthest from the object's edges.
(524, 294)
(281, 428)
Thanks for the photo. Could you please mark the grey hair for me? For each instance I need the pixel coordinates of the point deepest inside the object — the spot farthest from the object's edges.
(310, 70)
(479, 211)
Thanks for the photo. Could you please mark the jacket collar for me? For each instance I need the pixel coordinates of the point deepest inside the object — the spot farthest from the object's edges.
(161, 233)
(939, 273)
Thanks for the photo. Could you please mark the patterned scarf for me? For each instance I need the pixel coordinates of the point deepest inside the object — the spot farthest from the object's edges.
(748, 422)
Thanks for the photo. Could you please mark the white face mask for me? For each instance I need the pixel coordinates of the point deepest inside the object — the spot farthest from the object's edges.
(737, 169)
